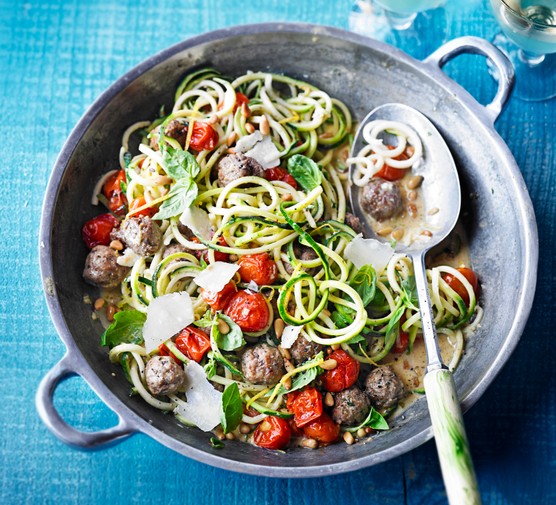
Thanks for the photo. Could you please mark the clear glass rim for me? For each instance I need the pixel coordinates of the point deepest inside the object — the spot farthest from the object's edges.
(525, 18)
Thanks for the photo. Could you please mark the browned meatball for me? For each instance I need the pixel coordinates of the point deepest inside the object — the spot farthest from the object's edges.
(141, 234)
(234, 166)
(102, 269)
(262, 364)
(174, 129)
(303, 349)
(354, 223)
(384, 388)
(164, 376)
(381, 199)
(351, 406)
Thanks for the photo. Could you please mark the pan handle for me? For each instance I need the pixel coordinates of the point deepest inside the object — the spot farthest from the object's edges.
(54, 422)
(505, 74)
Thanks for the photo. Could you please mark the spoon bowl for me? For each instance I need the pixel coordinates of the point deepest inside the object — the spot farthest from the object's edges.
(441, 196)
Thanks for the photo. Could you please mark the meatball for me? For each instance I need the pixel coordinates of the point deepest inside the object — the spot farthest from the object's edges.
(262, 364)
(303, 253)
(351, 406)
(141, 234)
(384, 388)
(175, 248)
(303, 349)
(234, 166)
(354, 223)
(174, 129)
(102, 269)
(164, 376)
(381, 199)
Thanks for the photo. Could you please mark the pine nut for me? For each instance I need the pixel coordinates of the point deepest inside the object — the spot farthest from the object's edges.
(230, 436)
(223, 327)
(310, 443)
(329, 400)
(219, 432)
(244, 428)
(427, 233)
(265, 426)
(110, 311)
(412, 195)
(284, 352)
(383, 232)
(289, 365)
(245, 110)
(233, 258)
(398, 234)
(287, 197)
(231, 150)
(279, 326)
(250, 128)
(232, 137)
(116, 245)
(414, 182)
(288, 383)
(329, 364)
(361, 433)
(99, 303)
(264, 127)
(412, 209)
(348, 438)
(335, 347)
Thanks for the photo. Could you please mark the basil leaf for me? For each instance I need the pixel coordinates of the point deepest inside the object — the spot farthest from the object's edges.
(392, 329)
(232, 408)
(304, 378)
(374, 420)
(410, 292)
(227, 341)
(305, 171)
(179, 164)
(127, 328)
(210, 367)
(182, 195)
(364, 282)
(205, 321)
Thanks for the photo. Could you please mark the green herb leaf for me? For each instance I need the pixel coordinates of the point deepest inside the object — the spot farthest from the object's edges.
(305, 171)
(410, 292)
(182, 195)
(304, 378)
(342, 316)
(179, 164)
(205, 321)
(216, 443)
(392, 330)
(227, 341)
(364, 282)
(210, 367)
(374, 420)
(127, 328)
(232, 408)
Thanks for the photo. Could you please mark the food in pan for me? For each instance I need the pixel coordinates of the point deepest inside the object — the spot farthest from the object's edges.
(239, 290)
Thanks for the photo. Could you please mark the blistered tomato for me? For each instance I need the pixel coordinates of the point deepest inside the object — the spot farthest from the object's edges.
(219, 300)
(249, 311)
(458, 287)
(204, 136)
(344, 375)
(273, 433)
(305, 405)
(259, 268)
(97, 230)
(323, 429)
(112, 190)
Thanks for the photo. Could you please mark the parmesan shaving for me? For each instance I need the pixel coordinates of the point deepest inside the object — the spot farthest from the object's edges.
(197, 220)
(216, 276)
(289, 336)
(369, 251)
(259, 147)
(128, 258)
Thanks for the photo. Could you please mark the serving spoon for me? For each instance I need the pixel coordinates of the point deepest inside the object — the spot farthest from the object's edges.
(442, 201)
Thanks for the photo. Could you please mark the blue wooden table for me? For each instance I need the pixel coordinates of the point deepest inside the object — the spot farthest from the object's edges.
(56, 57)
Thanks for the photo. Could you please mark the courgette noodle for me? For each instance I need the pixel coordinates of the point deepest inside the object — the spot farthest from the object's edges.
(254, 215)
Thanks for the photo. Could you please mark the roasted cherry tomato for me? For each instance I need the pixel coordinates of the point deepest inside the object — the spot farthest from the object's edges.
(112, 190)
(259, 268)
(219, 300)
(204, 136)
(240, 100)
(458, 287)
(218, 256)
(390, 173)
(280, 174)
(306, 405)
(402, 341)
(273, 433)
(138, 202)
(249, 311)
(97, 230)
(323, 429)
(344, 375)
(193, 342)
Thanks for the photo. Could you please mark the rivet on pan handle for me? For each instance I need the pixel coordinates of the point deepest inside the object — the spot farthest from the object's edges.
(475, 45)
(54, 422)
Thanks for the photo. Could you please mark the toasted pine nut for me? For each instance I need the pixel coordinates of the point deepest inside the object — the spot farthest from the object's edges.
(231, 150)
(110, 311)
(99, 303)
(279, 326)
(329, 400)
(249, 127)
(335, 347)
(245, 110)
(398, 233)
(310, 443)
(348, 438)
(329, 364)
(287, 197)
(383, 232)
(264, 127)
(265, 426)
(230, 436)
(219, 432)
(427, 233)
(361, 433)
(368, 430)
(412, 195)
(116, 245)
(233, 258)
(289, 365)
(284, 352)
(412, 209)
(244, 428)
(223, 327)
(232, 137)
(414, 182)
(288, 383)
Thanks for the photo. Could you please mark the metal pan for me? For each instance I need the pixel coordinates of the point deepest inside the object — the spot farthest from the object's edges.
(363, 73)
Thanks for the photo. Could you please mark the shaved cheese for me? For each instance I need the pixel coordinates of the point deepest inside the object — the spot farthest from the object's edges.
(246, 143)
(265, 152)
(166, 316)
(128, 258)
(369, 251)
(216, 276)
(203, 406)
(197, 220)
(289, 336)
